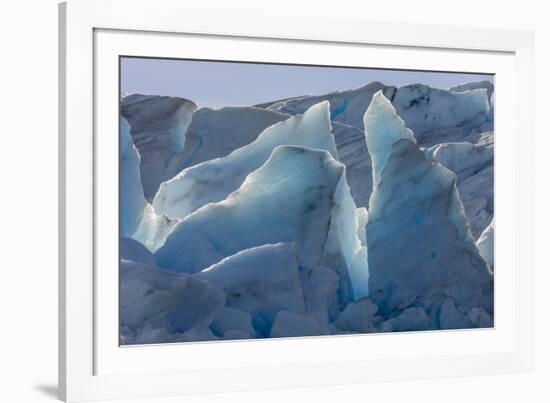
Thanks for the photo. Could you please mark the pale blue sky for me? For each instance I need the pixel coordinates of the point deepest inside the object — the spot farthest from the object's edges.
(217, 84)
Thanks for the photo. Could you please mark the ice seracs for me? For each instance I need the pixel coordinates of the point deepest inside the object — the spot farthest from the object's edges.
(159, 306)
(473, 165)
(474, 85)
(215, 133)
(158, 128)
(260, 281)
(346, 106)
(486, 242)
(434, 115)
(138, 220)
(430, 112)
(213, 180)
(299, 195)
(419, 243)
(131, 190)
(270, 234)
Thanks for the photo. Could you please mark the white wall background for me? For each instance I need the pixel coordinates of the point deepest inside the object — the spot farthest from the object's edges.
(28, 201)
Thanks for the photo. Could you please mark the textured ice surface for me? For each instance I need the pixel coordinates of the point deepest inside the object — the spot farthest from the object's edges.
(231, 320)
(411, 319)
(485, 244)
(215, 133)
(288, 199)
(343, 240)
(434, 115)
(138, 220)
(320, 286)
(464, 159)
(428, 110)
(284, 246)
(134, 251)
(477, 196)
(353, 153)
(383, 128)
(358, 316)
(159, 306)
(261, 281)
(451, 318)
(299, 195)
(158, 126)
(474, 86)
(131, 191)
(473, 165)
(418, 237)
(213, 180)
(346, 107)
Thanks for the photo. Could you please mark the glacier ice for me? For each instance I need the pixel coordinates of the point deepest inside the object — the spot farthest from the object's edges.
(131, 191)
(230, 320)
(299, 195)
(411, 319)
(215, 133)
(346, 106)
(358, 316)
(261, 281)
(477, 195)
(489, 87)
(288, 199)
(353, 153)
(241, 125)
(473, 165)
(320, 286)
(279, 233)
(161, 306)
(464, 159)
(433, 114)
(138, 220)
(419, 241)
(381, 117)
(485, 244)
(451, 318)
(134, 251)
(159, 125)
(213, 180)
(425, 109)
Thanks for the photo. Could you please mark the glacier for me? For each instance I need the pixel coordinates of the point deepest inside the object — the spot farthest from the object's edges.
(299, 195)
(158, 306)
(473, 165)
(213, 180)
(420, 248)
(434, 115)
(138, 219)
(158, 127)
(485, 244)
(260, 281)
(358, 211)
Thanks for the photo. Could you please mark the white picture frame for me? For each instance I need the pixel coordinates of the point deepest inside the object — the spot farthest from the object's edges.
(92, 367)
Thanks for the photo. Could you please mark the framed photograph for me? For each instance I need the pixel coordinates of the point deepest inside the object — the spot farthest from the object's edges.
(241, 208)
